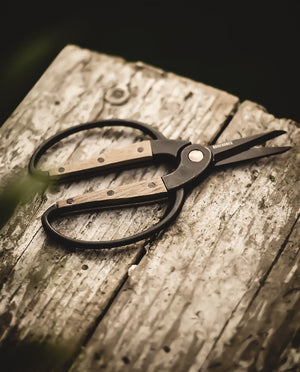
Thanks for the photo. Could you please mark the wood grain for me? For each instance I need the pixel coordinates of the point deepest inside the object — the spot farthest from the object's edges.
(52, 298)
(267, 336)
(132, 154)
(152, 189)
(201, 285)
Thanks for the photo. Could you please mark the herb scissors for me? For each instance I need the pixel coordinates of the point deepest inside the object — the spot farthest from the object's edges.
(193, 163)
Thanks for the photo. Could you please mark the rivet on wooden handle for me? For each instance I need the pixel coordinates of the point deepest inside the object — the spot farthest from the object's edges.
(134, 193)
(139, 151)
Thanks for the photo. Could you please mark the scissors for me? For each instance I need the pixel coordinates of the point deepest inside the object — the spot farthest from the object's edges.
(193, 162)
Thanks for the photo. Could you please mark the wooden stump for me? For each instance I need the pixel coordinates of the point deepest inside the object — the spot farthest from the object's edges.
(217, 291)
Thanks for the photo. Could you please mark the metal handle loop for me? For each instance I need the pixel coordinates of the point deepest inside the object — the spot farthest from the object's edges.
(176, 201)
(176, 198)
(147, 129)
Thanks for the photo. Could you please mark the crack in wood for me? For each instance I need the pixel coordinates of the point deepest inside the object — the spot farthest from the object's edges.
(274, 262)
(191, 283)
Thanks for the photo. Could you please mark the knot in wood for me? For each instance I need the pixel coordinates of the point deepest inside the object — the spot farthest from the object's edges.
(117, 95)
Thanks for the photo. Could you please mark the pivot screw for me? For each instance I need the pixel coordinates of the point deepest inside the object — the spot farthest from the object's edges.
(196, 156)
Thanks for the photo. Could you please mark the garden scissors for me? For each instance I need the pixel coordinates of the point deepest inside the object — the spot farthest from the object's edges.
(193, 163)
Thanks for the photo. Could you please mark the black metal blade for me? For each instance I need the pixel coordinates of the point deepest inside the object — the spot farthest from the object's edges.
(224, 150)
(254, 153)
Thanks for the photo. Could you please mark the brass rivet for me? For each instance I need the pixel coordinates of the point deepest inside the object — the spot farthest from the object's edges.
(110, 192)
(70, 201)
(61, 169)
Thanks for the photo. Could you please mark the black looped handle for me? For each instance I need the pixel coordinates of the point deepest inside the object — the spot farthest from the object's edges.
(176, 198)
(146, 129)
(176, 201)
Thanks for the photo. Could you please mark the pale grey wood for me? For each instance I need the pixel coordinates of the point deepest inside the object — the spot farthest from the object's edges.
(267, 336)
(182, 305)
(56, 296)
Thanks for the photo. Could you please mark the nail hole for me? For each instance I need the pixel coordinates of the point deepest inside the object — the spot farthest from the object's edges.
(84, 267)
(97, 356)
(100, 160)
(126, 360)
(70, 201)
(61, 169)
(110, 192)
(166, 349)
(118, 93)
(56, 102)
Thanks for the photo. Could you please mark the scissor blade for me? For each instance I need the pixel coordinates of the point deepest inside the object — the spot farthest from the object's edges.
(254, 153)
(224, 150)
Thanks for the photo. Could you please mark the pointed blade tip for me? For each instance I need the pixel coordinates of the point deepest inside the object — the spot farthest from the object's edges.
(278, 132)
(286, 148)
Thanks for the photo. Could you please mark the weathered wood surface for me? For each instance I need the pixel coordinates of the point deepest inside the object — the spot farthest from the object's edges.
(192, 300)
(184, 306)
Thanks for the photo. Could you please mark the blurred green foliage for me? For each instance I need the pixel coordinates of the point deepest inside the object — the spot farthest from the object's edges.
(249, 51)
(34, 356)
(20, 189)
(244, 52)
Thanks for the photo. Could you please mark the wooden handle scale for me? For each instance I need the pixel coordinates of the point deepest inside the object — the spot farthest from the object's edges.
(134, 193)
(137, 152)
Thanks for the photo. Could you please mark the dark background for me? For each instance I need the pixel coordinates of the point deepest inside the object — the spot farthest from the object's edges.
(248, 49)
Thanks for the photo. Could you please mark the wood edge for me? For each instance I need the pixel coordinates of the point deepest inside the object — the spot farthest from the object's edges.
(259, 106)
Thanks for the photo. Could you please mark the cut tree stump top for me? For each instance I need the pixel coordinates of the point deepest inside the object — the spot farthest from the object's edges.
(216, 291)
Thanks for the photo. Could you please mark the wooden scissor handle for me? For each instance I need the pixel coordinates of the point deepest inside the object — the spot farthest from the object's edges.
(144, 191)
(136, 152)
(132, 194)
